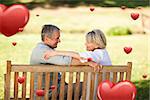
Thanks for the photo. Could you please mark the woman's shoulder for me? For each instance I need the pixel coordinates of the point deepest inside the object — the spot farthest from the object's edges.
(100, 50)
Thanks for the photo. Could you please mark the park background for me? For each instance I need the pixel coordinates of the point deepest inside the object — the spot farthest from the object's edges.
(75, 19)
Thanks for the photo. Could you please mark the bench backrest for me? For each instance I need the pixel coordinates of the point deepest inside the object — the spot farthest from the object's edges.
(120, 72)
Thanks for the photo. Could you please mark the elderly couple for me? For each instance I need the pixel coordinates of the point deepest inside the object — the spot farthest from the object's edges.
(45, 53)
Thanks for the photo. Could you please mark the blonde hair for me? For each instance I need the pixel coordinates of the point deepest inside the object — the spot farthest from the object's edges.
(97, 37)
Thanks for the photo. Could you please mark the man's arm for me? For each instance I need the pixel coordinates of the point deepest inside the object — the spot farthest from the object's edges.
(63, 53)
(58, 60)
(77, 62)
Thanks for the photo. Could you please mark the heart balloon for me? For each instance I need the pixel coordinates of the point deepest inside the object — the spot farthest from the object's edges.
(124, 90)
(13, 19)
(134, 16)
(127, 50)
(40, 92)
(21, 79)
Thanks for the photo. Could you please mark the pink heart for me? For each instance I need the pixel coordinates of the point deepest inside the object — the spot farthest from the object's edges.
(14, 43)
(134, 16)
(13, 18)
(124, 90)
(40, 92)
(21, 79)
(127, 50)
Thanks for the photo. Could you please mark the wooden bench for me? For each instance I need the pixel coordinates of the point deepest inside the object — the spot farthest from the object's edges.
(120, 72)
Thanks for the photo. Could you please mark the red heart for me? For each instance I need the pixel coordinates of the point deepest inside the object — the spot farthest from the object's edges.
(123, 7)
(144, 76)
(92, 8)
(13, 18)
(127, 50)
(89, 59)
(134, 16)
(14, 43)
(52, 87)
(37, 15)
(40, 92)
(124, 90)
(21, 79)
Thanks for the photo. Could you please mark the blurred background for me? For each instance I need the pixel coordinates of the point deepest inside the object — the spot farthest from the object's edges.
(75, 18)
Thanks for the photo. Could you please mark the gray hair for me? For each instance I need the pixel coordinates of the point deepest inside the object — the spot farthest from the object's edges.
(97, 36)
(48, 30)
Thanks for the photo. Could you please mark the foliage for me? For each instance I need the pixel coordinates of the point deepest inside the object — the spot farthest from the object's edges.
(118, 30)
(142, 88)
(74, 3)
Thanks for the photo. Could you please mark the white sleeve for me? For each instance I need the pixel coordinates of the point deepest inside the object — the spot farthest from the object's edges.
(96, 56)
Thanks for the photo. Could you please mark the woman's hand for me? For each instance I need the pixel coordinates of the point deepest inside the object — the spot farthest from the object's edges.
(48, 54)
(83, 60)
(96, 66)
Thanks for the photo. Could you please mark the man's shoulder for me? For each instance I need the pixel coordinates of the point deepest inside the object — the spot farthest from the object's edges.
(42, 46)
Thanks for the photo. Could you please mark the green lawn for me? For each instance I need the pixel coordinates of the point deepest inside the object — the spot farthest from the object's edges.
(78, 21)
(20, 54)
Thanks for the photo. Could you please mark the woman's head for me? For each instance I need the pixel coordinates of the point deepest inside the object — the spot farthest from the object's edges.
(95, 39)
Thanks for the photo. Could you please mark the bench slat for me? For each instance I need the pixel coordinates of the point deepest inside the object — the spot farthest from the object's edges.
(121, 76)
(19, 99)
(31, 86)
(55, 83)
(39, 84)
(100, 77)
(128, 74)
(24, 86)
(8, 78)
(84, 86)
(92, 85)
(70, 89)
(47, 84)
(107, 75)
(62, 86)
(5, 87)
(50, 68)
(114, 77)
(16, 74)
(77, 86)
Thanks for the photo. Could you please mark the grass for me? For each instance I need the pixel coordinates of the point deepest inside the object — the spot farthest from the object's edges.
(20, 54)
(78, 21)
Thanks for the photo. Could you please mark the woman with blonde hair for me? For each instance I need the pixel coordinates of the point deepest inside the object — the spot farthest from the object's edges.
(96, 51)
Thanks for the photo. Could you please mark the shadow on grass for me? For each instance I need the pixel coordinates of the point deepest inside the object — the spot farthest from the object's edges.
(75, 3)
(143, 88)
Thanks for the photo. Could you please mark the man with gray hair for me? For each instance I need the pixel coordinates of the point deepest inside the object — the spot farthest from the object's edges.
(50, 36)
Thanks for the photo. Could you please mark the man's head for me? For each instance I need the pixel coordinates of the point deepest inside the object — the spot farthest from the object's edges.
(50, 35)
